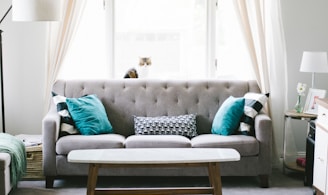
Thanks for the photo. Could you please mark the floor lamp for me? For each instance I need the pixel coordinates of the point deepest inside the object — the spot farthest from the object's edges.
(27, 10)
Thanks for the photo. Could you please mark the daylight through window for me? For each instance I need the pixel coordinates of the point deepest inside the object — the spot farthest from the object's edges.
(174, 34)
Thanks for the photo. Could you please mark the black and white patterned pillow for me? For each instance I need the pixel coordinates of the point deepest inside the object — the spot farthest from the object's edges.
(67, 126)
(254, 103)
(184, 125)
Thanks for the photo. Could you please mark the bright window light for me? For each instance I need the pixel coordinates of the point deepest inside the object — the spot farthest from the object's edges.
(173, 33)
(86, 58)
(233, 61)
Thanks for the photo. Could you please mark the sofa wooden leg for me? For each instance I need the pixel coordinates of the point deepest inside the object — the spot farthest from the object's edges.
(50, 182)
(264, 181)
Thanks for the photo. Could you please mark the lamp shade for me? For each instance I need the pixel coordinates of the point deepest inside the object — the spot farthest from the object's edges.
(314, 62)
(36, 10)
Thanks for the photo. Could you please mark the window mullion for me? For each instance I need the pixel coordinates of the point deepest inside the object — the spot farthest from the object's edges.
(211, 39)
(110, 29)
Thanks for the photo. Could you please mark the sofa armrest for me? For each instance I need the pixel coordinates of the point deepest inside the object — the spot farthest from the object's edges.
(50, 132)
(4, 160)
(263, 133)
(5, 184)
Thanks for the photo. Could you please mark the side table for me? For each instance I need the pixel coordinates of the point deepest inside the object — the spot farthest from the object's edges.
(292, 114)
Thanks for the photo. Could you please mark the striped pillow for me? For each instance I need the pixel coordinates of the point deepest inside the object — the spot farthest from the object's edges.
(254, 103)
(67, 126)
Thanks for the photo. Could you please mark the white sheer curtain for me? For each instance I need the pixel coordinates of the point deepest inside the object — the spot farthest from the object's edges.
(263, 31)
(60, 35)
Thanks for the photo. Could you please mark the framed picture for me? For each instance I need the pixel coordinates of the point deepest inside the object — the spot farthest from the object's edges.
(311, 106)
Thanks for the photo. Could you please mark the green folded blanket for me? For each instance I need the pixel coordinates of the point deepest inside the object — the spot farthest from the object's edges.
(16, 148)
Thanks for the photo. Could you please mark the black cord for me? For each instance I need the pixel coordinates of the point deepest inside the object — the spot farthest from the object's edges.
(6, 14)
(312, 124)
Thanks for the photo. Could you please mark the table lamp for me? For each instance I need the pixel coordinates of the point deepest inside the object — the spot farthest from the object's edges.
(314, 62)
(27, 10)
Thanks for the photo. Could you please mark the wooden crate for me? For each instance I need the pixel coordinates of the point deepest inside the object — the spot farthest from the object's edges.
(34, 162)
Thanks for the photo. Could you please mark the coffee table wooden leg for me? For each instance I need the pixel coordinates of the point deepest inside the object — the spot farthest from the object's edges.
(92, 179)
(215, 178)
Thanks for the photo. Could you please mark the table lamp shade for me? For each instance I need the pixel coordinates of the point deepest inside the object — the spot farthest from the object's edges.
(36, 10)
(314, 62)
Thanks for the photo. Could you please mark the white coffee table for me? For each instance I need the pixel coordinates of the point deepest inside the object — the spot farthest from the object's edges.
(160, 157)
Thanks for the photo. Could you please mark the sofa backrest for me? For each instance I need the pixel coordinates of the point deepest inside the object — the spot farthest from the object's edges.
(124, 98)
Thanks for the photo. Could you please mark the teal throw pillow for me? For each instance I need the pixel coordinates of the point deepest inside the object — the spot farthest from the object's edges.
(89, 115)
(227, 118)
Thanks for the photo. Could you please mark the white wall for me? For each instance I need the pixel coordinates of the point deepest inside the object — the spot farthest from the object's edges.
(306, 28)
(24, 68)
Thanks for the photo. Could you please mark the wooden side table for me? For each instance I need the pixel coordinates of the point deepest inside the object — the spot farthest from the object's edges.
(292, 114)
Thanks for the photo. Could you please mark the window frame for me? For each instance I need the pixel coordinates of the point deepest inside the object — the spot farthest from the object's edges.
(210, 58)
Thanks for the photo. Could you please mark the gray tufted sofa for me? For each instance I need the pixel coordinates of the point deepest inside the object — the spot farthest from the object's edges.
(124, 98)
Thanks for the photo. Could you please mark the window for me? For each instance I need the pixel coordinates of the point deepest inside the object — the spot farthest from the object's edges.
(171, 32)
(86, 57)
(183, 38)
(231, 53)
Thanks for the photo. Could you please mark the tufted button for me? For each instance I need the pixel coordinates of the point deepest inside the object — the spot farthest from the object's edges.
(197, 101)
(187, 86)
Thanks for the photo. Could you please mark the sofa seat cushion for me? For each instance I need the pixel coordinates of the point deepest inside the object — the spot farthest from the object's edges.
(157, 141)
(245, 145)
(79, 142)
